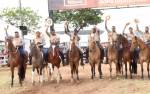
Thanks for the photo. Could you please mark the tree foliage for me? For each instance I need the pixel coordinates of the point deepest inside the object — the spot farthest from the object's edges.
(79, 18)
(25, 16)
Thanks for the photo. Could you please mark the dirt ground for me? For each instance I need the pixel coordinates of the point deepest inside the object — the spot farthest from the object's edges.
(84, 86)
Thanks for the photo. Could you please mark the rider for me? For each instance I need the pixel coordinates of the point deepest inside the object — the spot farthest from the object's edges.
(145, 35)
(55, 40)
(129, 35)
(18, 43)
(95, 34)
(112, 34)
(40, 42)
(75, 36)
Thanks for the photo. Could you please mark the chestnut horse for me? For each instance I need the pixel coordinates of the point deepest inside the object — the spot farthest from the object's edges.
(113, 57)
(55, 60)
(126, 53)
(94, 57)
(144, 55)
(16, 60)
(74, 58)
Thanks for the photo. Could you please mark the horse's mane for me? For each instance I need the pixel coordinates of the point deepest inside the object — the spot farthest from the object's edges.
(141, 43)
(124, 40)
(11, 46)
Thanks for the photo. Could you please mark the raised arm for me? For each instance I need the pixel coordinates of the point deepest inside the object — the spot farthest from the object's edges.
(48, 34)
(6, 29)
(67, 28)
(107, 18)
(137, 27)
(125, 27)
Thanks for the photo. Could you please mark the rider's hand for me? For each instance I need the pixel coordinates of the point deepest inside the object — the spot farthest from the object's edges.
(107, 18)
(136, 20)
(127, 23)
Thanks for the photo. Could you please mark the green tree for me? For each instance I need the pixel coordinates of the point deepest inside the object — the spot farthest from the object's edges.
(25, 17)
(79, 18)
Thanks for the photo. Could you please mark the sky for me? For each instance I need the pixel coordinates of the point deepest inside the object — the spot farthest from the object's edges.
(118, 16)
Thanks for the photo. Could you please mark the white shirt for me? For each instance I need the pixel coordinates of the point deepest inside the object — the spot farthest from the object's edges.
(18, 42)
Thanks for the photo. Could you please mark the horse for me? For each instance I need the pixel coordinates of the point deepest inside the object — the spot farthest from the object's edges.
(113, 56)
(38, 62)
(144, 54)
(94, 57)
(126, 53)
(74, 58)
(55, 60)
(16, 60)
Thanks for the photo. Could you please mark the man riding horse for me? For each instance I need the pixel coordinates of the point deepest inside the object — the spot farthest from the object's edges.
(55, 40)
(40, 42)
(74, 36)
(19, 44)
(95, 35)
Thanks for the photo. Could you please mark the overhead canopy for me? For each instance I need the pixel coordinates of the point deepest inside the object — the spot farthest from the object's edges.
(76, 4)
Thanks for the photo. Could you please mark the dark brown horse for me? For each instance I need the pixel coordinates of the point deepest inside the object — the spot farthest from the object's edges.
(94, 57)
(55, 60)
(16, 60)
(126, 53)
(74, 58)
(144, 55)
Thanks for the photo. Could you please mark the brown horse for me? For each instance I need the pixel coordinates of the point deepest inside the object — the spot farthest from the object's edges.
(126, 53)
(112, 55)
(55, 60)
(74, 58)
(15, 60)
(94, 57)
(144, 55)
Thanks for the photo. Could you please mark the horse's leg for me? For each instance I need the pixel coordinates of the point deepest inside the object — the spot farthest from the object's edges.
(126, 76)
(121, 67)
(94, 70)
(72, 73)
(77, 72)
(110, 64)
(12, 76)
(142, 70)
(148, 69)
(33, 70)
(100, 70)
(130, 65)
(58, 75)
(117, 69)
(41, 75)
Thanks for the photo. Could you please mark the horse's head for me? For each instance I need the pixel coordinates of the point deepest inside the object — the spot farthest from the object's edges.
(9, 44)
(134, 43)
(33, 48)
(122, 41)
(72, 44)
(92, 45)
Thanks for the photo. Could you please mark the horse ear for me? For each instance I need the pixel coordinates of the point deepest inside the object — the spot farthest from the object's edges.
(135, 37)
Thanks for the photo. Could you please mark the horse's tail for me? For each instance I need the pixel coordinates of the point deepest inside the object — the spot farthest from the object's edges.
(21, 71)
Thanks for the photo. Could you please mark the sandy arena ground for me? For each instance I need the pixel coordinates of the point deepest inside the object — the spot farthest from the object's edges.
(84, 86)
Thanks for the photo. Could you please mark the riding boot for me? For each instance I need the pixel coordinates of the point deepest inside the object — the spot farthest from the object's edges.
(62, 57)
(81, 57)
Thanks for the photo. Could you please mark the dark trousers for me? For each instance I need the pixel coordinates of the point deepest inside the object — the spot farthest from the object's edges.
(21, 51)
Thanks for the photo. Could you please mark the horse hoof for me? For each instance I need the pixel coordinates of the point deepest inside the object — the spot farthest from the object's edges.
(117, 78)
(60, 78)
(72, 80)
